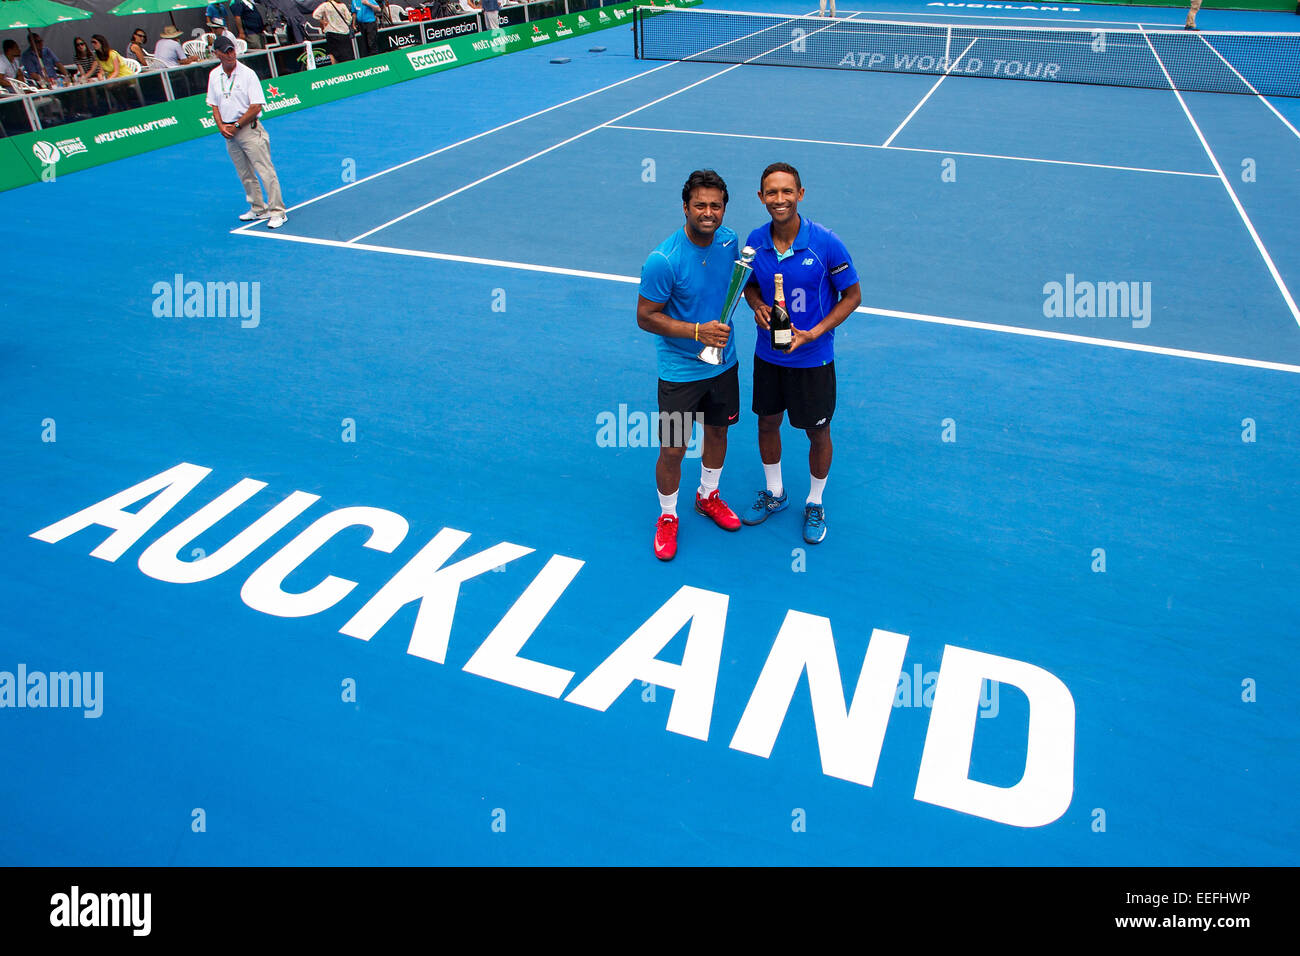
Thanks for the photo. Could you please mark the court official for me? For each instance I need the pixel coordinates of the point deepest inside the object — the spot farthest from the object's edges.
(236, 97)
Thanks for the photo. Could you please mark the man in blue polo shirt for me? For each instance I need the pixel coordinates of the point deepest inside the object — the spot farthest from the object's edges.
(821, 291)
(365, 11)
(683, 288)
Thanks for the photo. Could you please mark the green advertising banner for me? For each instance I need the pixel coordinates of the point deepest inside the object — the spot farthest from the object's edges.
(47, 154)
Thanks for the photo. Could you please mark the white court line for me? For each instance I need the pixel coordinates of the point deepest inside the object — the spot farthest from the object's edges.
(1249, 86)
(917, 107)
(889, 313)
(1250, 226)
(470, 139)
(918, 149)
(587, 132)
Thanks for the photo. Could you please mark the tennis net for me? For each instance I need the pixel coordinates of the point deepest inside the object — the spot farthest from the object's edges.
(1266, 63)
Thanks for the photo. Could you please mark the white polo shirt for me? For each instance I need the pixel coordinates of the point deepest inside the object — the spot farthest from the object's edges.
(232, 95)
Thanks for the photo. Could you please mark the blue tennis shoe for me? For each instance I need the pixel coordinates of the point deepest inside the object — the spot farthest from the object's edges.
(814, 524)
(766, 504)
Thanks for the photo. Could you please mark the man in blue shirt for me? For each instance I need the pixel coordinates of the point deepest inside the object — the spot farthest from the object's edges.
(249, 22)
(215, 16)
(39, 62)
(365, 11)
(683, 288)
(821, 291)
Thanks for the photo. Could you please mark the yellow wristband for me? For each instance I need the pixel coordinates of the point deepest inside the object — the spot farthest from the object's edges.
(697, 331)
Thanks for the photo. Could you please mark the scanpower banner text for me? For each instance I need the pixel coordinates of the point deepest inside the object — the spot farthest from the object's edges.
(47, 154)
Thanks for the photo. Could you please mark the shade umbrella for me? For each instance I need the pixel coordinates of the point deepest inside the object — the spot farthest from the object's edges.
(132, 7)
(37, 14)
(129, 8)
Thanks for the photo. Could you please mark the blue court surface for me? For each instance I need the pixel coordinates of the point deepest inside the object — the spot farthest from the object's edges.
(366, 575)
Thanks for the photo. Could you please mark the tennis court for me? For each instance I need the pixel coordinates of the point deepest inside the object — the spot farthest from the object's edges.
(1063, 484)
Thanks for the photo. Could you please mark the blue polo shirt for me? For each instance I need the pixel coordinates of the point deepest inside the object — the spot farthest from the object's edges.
(363, 12)
(692, 283)
(816, 269)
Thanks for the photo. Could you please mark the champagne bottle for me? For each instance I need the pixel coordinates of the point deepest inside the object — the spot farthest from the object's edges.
(782, 334)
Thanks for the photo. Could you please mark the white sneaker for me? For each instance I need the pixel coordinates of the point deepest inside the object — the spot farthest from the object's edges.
(277, 221)
(251, 216)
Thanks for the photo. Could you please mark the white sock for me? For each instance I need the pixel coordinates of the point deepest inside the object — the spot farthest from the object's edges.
(709, 478)
(773, 473)
(668, 504)
(815, 492)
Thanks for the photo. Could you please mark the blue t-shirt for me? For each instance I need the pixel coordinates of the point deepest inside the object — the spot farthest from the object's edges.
(363, 12)
(816, 269)
(216, 13)
(692, 283)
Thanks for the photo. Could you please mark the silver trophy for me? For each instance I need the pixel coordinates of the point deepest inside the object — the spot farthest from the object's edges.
(739, 277)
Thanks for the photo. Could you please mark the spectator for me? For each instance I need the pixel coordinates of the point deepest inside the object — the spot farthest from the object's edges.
(135, 49)
(108, 62)
(492, 14)
(40, 62)
(12, 69)
(82, 56)
(393, 14)
(336, 20)
(249, 22)
(216, 17)
(365, 12)
(171, 52)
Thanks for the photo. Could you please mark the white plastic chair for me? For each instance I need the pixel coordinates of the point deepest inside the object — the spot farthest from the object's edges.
(132, 65)
(195, 48)
(153, 63)
(241, 46)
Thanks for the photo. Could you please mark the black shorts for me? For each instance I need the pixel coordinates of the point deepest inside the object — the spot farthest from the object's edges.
(713, 401)
(808, 394)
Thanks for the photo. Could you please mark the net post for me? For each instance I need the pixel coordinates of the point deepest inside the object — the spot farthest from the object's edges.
(636, 33)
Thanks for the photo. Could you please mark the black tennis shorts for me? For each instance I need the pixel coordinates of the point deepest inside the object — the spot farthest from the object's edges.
(713, 401)
(807, 394)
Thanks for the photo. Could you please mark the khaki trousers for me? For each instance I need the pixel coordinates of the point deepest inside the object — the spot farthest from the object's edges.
(250, 149)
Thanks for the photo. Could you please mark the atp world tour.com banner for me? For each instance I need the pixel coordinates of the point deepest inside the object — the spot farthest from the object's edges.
(47, 154)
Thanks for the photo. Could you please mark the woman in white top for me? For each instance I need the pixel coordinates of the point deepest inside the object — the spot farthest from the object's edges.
(336, 19)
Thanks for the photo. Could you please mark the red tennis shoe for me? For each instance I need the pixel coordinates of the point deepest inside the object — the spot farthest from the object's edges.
(717, 509)
(666, 537)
